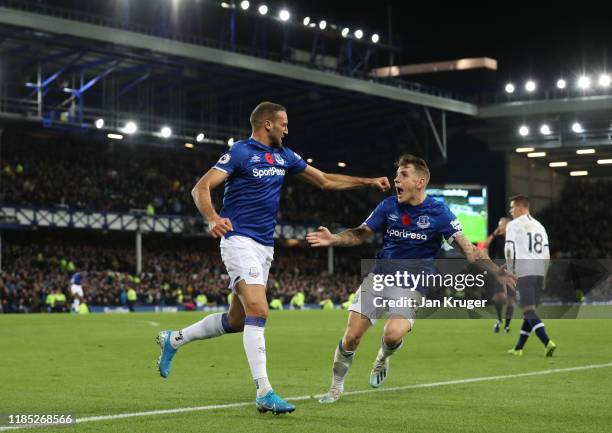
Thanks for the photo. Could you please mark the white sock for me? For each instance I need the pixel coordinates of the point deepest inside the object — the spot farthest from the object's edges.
(342, 362)
(385, 351)
(255, 349)
(210, 326)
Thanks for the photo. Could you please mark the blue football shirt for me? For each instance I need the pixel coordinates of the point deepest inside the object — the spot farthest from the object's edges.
(252, 190)
(413, 232)
(412, 235)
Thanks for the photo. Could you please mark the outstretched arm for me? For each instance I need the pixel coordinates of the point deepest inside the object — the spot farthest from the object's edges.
(348, 238)
(482, 260)
(326, 181)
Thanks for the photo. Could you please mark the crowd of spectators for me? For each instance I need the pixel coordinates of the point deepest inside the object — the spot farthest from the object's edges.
(170, 275)
(577, 223)
(100, 176)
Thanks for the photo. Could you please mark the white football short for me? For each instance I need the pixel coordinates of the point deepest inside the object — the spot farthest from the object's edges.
(246, 259)
(76, 289)
(392, 301)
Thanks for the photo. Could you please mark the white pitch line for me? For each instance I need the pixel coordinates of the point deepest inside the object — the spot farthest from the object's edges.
(308, 397)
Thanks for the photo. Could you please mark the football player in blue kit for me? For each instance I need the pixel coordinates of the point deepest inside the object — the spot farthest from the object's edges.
(253, 171)
(414, 225)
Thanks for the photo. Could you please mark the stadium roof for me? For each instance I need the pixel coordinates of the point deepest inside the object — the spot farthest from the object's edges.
(122, 71)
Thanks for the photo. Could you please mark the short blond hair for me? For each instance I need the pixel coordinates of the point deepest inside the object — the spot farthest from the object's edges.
(419, 165)
(264, 111)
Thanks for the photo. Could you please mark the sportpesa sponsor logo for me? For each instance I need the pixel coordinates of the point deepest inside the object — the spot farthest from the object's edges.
(272, 171)
(406, 234)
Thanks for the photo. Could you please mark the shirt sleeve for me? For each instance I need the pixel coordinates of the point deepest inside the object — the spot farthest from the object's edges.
(510, 247)
(377, 220)
(230, 160)
(450, 225)
(295, 163)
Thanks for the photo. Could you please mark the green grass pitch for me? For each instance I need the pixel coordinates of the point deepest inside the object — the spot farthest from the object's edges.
(105, 364)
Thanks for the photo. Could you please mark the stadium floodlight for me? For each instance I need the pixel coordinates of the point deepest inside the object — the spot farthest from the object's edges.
(604, 80)
(284, 15)
(509, 88)
(200, 137)
(545, 129)
(306, 21)
(345, 32)
(358, 33)
(225, 5)
(263, 9)
(189, 145)
(322, 24)
(524, 130)
(99, 123)
(342, 164)
(604, 161)
(524, 149)
(558, 164)
(166, 132)
(561, 83)
(584, 82)
(530, 86)
(585, 151)
(230, 141)
(536, 154)
(115, 136)
(130, 127)
(579, 173)
(375, 38)
(309, 160)
(244, 4)
(577, 128)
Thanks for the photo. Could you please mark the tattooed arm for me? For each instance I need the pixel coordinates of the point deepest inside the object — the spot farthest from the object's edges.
(482, 260)
(348, 238)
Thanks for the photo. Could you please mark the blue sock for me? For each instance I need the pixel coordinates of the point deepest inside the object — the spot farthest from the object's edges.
(523, 336)
(225, 324)
(537, 326)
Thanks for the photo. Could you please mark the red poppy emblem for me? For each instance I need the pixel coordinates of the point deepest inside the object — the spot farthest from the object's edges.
(269, 158)
(405, 220)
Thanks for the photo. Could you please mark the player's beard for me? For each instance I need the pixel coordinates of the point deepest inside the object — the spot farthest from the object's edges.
(276, 143)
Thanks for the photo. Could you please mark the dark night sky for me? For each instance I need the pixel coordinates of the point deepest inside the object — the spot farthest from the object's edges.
(523, 40)
(538, 42)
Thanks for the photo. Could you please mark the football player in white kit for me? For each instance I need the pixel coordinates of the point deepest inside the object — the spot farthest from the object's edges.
(527, 256)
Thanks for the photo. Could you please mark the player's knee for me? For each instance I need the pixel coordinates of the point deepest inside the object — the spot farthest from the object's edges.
(529, 312)
(351, 340)
(394, 336)
(528, 308)
(257, 310)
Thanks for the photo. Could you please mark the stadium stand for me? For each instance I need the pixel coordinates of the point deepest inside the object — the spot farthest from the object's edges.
(174, 270)
(101, 176)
